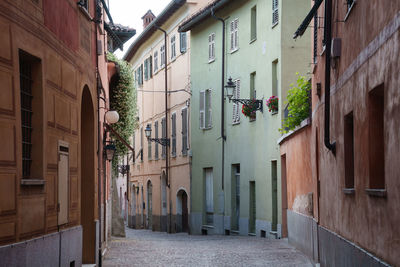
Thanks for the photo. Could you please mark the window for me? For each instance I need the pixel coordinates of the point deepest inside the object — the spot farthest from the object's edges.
(150, 62)
(139, 73)
(173, 50)
(253, 23)
(155, 61)
(209, 195)
(163, 135)
(376, 137)
(146, 69)
(205, 109)
(162, 55)
(234, 35)
(173, 134)
(235, 106)
(275, 12)
(183, 42)
(31, 115)
(349, 151)
(275, 78)
(184, 131)
(211, 47)
(156, 136)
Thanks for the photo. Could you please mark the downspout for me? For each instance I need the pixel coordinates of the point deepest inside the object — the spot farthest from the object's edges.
(166, 126)
(99, 144)
(223, 136)
(328, 39)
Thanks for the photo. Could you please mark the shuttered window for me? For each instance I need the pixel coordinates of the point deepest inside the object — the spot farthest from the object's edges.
(163, 134)
(211, 47)
(156, 144)
(148, 149)
(173, 47)
(162, 55)
(183, 42)
(275, 12)
(150, 66)
(234, 34)
(205, 109)
(155, 61)
(173, 134)
(235, 106)
(253, 24)
(146, 69)
(184, 132)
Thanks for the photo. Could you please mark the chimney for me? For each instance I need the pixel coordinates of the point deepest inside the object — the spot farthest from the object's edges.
(148, 18)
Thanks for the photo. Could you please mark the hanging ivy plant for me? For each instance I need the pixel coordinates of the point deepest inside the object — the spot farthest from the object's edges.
(123, 100)
(298, 100)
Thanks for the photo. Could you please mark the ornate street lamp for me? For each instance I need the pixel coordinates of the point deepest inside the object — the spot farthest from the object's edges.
(109, 150)
(229, 88)
(161, 141)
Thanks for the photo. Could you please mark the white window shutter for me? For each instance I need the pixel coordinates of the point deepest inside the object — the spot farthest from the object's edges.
(236, 26)
(237, 97)
(202, 109)
(209, 48)
(208, 109)
(232, 28)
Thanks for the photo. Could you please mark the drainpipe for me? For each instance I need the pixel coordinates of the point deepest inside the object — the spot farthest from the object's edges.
(223, 136)
(99, 144)
(166, 126)
(328, 39)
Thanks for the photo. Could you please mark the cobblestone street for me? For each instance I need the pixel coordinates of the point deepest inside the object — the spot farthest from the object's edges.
(147, 248)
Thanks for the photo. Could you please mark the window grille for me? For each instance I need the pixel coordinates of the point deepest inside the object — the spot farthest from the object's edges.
(26, 116)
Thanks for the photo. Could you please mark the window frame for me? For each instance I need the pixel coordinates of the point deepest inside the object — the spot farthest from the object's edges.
(183, 42)
(234, 33)
(275, 12)
(173, 47)
(211, 47)
(236, 106)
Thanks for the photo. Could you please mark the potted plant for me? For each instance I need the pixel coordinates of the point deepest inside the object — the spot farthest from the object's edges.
(272, 104)
(250, 109)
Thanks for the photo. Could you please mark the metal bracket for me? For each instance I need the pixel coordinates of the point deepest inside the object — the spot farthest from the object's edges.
(246, 102)
(161, 141)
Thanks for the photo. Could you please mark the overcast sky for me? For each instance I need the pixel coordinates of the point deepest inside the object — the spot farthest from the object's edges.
(129, 13)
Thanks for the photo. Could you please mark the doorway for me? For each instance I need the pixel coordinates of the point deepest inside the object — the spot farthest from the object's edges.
(149, 205)
(284, 196)
(235, 197)
(252, 219)
(182, 214)
(274, 181)
(88, 178)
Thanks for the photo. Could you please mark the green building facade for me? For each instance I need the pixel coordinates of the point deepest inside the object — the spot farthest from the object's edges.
(243, 197)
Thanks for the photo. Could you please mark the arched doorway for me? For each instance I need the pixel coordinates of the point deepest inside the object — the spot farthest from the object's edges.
(88, 178)
(182, 214)
(149, 205)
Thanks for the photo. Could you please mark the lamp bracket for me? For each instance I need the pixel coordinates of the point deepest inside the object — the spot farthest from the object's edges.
(161, 141)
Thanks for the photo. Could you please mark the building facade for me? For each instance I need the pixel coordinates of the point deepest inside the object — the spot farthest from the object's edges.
(51, 195)
(159, 187)
(235, 160)
(353, 137)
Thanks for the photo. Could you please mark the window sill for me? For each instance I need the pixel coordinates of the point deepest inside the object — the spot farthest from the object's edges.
(234, 50)
(206, 129)
(253, 40)
(173, 156)
(39, 182)
(172, 59)
(251, 234)
(274, 25)
(376, 192)
(235, 123)
(252, 120)
(211, 60)
(348, 11)
(85, 12)
(349, 191)
(274, 113)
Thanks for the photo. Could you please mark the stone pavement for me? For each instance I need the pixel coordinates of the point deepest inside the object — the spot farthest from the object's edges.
(147, 248)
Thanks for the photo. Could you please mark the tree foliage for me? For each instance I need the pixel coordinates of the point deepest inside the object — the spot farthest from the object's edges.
(298, 103)
(123, 100)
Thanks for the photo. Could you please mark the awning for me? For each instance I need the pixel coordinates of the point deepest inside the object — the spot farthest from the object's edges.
(303, 26)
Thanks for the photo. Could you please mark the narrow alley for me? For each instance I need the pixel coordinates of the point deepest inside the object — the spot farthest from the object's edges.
(148, 248)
